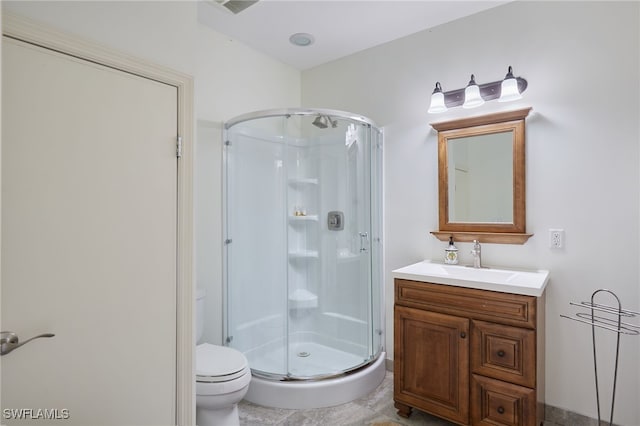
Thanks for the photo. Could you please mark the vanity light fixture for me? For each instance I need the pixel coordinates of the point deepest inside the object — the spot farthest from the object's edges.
(474, 95)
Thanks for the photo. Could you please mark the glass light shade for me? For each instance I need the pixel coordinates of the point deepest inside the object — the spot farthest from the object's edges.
(437, 103)
(472, 97)
(509, 90)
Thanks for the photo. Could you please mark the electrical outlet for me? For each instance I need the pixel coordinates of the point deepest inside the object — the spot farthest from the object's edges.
(556, 238)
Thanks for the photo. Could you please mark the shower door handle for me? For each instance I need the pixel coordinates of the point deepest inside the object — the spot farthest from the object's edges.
(364, 238)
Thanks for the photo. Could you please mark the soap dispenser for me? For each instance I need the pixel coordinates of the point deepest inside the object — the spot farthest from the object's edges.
(451, 253)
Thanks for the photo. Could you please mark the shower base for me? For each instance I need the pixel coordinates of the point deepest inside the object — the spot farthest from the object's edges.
(306, 359)
(317, 393)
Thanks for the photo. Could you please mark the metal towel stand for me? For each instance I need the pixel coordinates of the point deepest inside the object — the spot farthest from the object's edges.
(610, 319)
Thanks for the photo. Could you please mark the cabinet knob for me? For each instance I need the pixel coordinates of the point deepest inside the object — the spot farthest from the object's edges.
(501, 410)
(463, 334)
(500, 353)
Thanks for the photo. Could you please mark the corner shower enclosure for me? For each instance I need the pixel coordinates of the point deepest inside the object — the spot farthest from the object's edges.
(302, 259)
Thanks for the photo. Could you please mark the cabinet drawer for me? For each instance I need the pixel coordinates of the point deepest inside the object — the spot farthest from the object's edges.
(503, 352)
(504, 308)
(498, 403)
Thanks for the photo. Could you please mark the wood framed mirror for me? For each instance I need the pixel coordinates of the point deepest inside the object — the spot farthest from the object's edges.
(481, 175)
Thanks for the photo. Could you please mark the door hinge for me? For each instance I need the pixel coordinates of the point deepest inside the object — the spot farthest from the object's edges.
(227, 143)
(179, 147)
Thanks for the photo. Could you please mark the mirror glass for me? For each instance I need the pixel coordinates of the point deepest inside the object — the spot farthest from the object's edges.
(480, 175)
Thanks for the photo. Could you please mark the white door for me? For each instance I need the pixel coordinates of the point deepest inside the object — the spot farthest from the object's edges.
(89, 188)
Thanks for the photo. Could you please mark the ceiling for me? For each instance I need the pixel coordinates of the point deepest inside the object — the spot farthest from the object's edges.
(340, 27)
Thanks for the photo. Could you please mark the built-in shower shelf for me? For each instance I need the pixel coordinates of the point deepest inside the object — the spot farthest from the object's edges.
(303, 254)
(303, 181)
(306, 218)
(302, 299)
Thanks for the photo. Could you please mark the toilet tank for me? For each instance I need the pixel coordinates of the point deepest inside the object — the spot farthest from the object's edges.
(200, 294)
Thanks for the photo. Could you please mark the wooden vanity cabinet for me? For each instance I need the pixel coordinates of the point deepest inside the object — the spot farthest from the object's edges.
(473, 357)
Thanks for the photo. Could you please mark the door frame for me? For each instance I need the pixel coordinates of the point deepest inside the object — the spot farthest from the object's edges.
(36, 33)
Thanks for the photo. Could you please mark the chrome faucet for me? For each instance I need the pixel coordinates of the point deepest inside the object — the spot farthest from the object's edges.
(477, 254)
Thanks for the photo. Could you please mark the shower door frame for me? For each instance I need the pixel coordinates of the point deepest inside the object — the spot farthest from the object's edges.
(376, 320)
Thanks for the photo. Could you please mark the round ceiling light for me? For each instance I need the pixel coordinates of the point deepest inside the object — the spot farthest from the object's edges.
(301, 39)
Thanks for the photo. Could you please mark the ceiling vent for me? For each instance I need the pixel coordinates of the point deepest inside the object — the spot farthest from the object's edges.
(236, 6)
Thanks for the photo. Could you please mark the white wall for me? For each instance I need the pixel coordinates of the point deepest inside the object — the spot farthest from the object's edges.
(582, 63)
(229, 79)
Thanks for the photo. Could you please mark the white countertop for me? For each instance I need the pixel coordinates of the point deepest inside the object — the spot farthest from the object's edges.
(517, 281)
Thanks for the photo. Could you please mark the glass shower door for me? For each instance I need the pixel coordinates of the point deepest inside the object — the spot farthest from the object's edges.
(349, 302)
(333, 333)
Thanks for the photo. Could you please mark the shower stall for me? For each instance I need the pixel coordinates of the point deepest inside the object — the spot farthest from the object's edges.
(303, 254)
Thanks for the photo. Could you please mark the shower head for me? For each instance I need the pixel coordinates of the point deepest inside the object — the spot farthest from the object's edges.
(320, 122)
(323, 121)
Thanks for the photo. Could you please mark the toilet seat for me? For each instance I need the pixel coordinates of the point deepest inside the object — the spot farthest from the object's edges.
(216, 364)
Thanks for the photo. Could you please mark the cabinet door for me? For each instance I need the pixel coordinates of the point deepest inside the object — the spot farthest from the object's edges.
(431, 370)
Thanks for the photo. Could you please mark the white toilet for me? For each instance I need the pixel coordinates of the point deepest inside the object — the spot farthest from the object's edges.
(222, 378)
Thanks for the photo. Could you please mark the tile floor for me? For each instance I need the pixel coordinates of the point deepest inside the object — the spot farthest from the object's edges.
(375, 408)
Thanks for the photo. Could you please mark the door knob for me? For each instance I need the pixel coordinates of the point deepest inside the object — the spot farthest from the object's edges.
(9, 341)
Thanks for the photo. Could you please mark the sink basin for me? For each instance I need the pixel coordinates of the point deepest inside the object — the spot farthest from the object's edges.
(527, 282)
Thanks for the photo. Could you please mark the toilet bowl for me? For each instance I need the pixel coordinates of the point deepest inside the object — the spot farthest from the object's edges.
(222, 378)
